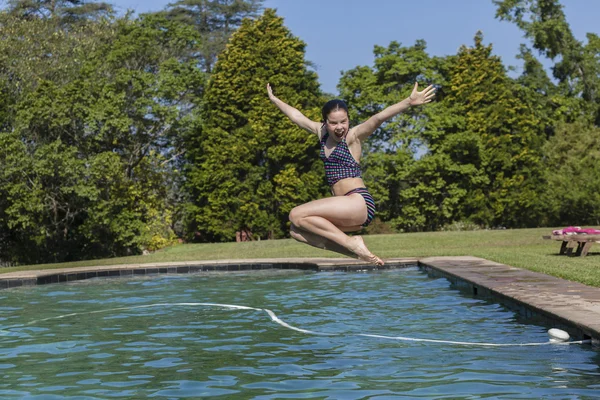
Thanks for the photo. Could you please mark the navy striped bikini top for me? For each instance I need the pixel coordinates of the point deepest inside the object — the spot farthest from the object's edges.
(340, 164)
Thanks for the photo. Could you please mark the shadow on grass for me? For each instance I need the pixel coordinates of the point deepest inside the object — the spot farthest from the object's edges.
(575, 255)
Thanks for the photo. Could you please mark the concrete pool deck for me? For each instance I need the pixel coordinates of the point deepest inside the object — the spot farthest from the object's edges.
(544, 299)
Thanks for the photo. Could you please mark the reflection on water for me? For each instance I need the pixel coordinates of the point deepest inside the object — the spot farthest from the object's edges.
(101, 347)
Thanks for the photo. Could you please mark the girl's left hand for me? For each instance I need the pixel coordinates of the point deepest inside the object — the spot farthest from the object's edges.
(270, 91)
(417, 98)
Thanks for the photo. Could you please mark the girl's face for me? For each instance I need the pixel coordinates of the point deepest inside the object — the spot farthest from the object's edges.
(337, 124)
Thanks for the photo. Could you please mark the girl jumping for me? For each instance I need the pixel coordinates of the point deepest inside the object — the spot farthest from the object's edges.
(323, 223)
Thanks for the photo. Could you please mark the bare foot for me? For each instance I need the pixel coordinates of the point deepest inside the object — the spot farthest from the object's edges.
(357, 245)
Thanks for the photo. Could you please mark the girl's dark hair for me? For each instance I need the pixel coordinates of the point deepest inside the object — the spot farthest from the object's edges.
(333, 105)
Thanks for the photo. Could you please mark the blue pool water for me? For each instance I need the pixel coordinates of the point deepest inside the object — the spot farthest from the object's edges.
(118, 338)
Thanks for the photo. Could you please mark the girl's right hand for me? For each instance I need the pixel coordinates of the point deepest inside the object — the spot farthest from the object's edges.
(423, 97)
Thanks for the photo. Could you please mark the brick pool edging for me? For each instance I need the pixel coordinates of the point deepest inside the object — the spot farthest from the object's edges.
(555, 302)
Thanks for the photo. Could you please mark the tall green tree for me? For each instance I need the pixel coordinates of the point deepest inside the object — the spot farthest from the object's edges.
(131, 97)
(249, 164)
(37, 50)
(497, 134)
(571, 107)
(577, 69)
(98, 149)
(215, 21)
(66, 11)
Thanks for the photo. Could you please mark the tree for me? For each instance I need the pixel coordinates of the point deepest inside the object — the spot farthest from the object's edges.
(214, 20)
(577, 70)
(44, 195)
(572, 107)
(133, 96)
(497, 134)
(35, 51)
(65, 11)
(572, 170)
(96, 151)
(250, 165)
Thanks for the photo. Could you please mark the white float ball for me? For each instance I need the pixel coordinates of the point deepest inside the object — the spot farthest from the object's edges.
(558, 335)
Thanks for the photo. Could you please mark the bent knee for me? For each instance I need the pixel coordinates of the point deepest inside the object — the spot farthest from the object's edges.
(296, 215)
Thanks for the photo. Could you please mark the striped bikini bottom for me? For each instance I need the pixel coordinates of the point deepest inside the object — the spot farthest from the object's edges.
(368, 200)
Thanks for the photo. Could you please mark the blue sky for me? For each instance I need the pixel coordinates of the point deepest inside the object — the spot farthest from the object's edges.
(340, 35)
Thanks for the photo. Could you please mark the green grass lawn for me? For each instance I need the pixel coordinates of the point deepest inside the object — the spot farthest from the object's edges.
(523, 248)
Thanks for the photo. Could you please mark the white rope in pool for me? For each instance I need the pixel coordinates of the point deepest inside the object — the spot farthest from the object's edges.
(560, 337)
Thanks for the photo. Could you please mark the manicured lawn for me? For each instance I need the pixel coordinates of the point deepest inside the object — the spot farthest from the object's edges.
(523, 248)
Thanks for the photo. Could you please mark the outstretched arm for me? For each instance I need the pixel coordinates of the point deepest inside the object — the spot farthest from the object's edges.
(416, 98)
(293, 114)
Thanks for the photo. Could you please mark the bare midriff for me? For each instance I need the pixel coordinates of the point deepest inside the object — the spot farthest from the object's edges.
(343, 186)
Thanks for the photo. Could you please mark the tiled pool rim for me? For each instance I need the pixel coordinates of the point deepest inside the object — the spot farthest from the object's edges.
(544, 299)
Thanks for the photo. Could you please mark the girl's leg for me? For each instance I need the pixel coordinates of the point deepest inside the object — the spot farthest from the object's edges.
(319, 241)
(328, 217)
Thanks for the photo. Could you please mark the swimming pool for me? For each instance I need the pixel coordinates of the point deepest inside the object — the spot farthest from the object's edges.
(151, 337)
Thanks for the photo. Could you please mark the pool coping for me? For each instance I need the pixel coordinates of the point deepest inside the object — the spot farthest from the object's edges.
(552, 301)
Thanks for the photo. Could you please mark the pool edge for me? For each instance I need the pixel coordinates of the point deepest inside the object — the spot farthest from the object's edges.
(553, 301)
